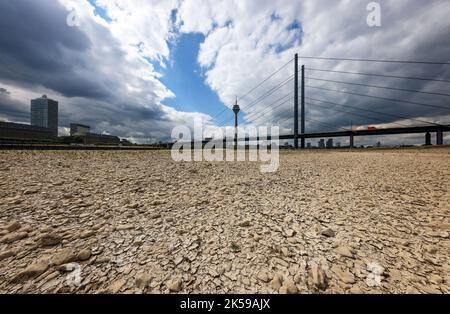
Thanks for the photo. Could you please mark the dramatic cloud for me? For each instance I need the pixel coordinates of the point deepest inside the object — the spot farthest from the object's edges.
(239, 51)
(104, 72)
(11, 109)
(247, 40)
(97, 77)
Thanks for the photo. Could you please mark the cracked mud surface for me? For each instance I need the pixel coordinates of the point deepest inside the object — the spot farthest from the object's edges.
(137, 222)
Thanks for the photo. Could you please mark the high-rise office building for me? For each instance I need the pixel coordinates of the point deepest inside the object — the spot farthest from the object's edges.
(330, 143)
(44, 113)
(321, 143)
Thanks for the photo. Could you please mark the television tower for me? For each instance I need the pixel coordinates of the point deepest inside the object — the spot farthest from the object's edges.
(236, 110)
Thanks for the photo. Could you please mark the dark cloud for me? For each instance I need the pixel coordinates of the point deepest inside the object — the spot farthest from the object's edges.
(11, 109)
(4, 91)
(39, 51)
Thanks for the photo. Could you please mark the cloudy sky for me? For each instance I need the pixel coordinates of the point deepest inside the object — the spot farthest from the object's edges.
(138, 68)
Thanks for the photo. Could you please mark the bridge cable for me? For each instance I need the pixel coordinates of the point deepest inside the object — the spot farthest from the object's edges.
(377, 60)
(381, 75)
(377, 86)
(377, 97)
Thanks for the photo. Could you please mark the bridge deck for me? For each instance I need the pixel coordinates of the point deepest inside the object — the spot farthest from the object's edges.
(348, 133)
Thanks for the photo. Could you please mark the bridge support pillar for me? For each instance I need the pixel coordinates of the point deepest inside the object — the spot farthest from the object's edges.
(440, 138)
(296, 101)
(428, 139)
(352, 141)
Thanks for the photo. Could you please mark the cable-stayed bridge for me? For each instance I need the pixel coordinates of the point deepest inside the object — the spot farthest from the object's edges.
(334, 91)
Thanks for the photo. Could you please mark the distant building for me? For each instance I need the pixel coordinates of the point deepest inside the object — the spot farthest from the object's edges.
(44, 113)
(17, 131)
(126, 142)
(79, 129)
(101, 139)
(321, 143)
(91, 139)
(330, 143)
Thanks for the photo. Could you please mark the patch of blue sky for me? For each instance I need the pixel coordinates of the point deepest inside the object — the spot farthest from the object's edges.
(99, 11)
(186, 79)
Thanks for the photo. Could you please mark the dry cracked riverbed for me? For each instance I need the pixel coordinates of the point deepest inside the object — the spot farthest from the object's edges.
(137, 222)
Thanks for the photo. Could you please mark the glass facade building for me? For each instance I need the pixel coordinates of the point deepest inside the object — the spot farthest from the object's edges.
(44, 113)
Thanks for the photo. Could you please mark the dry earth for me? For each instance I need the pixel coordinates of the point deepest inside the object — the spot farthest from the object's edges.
(132, 222)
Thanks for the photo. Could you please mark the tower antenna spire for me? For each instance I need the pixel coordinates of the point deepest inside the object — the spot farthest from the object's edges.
(236, 110)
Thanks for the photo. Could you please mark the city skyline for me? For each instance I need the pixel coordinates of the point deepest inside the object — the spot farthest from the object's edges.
(139, 79)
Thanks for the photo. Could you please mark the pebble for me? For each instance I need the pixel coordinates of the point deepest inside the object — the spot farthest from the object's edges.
(276, 283)
(67, 268)
(290, 233)
(175, 285)
(291, 287)
(84, 255)
(245, 224)
(142, 280)
(435, 279)
(328, 233)
(298, 278)
(63, 257)
(263, 276)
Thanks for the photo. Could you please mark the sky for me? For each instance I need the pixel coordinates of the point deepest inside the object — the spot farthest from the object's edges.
(139, 68)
